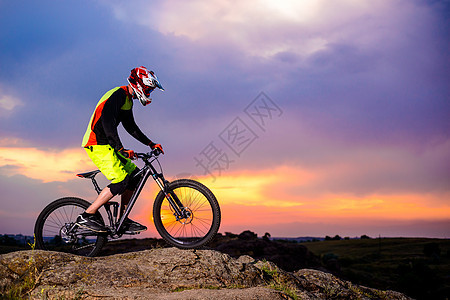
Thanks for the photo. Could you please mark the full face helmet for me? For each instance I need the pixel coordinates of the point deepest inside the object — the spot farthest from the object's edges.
(143, 82)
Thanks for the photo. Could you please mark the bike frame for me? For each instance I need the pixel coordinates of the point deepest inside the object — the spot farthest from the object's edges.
(147, 171)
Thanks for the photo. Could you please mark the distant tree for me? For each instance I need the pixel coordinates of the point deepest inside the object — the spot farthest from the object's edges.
(7, 240)
(247, 235)
(57, 240)
(365, 237)
(335, 238)
(266, 236)
(231, 235)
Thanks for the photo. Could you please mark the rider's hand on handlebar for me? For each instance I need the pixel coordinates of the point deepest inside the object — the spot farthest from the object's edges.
(127, 153)
(157, 148)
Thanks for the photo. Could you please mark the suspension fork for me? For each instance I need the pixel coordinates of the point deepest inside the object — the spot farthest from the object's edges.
(172, 198)
(146, 172)
(175, 203)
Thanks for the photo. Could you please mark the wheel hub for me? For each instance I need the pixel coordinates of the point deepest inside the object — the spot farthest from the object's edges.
(65, 235)
(188, 216)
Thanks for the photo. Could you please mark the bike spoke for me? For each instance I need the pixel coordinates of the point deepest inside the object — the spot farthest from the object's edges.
(58, 232)
(195, 222)
(201, 216)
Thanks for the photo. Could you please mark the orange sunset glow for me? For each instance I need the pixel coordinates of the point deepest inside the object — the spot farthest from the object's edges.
(324, 117)
(252, 199)
(249, 198)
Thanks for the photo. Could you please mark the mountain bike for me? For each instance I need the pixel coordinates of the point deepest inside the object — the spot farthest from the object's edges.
(185, 212)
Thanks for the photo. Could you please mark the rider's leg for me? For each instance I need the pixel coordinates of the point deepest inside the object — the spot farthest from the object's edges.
(116, 168)
(129, 226)
(88, 219)
(131, 187)
(107, 193)
(125, 199)
(103, 198)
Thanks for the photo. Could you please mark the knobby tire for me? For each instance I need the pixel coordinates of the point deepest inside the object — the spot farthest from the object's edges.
(195, 231)
(48, 234)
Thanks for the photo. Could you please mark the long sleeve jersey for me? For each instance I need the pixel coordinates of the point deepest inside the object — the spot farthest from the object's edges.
(115, 107)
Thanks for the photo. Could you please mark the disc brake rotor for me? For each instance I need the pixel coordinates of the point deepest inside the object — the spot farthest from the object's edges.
(188, 216)
(65, 235)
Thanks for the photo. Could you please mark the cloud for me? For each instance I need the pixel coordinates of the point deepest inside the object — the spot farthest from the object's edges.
(44, 165)
(23, 198)
(8, 103)
(59, 67)
(363, 87)
(265, 28)
(253, 188)
(292, 192)
(381, 65)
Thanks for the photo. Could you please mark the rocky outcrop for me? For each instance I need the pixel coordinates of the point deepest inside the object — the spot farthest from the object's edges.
(167, 273)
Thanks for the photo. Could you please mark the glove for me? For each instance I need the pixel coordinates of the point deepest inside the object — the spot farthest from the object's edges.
(127, 153)
(157, 148)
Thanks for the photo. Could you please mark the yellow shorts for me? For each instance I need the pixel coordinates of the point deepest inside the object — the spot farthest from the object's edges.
(113, 165)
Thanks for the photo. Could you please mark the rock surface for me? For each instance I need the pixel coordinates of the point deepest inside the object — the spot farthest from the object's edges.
(167, 273)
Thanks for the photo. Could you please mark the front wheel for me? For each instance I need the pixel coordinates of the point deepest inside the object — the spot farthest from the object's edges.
(199, 220)
(55, 229)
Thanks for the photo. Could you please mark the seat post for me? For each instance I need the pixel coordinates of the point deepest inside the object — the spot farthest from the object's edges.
(97, 188)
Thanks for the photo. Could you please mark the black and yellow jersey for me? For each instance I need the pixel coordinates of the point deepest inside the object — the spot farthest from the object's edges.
(115, 107)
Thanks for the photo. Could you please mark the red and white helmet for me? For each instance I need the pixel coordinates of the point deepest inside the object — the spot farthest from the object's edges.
(143, 83)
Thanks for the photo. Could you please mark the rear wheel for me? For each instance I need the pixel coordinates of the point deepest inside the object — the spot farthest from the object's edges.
(200, 219)
(55, 229)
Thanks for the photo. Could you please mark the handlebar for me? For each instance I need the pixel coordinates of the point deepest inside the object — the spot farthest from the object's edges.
(154, 153)
(148, 159)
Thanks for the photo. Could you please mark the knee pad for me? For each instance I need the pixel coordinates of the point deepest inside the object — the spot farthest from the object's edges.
(119, 187)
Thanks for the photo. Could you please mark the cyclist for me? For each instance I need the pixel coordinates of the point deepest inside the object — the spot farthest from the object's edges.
(103, 145)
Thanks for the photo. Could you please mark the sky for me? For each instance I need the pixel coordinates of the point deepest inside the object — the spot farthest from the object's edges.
(305, 118)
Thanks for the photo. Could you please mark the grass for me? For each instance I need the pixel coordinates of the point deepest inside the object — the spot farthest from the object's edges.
(391, 263)
(28, 280)
(276, 281)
